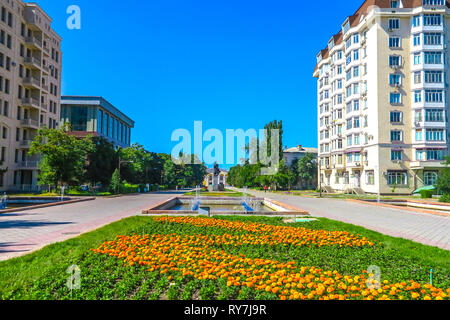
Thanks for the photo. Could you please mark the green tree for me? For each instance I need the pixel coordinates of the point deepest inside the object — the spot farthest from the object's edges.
(138, 164)
(115, 182)
(102, 161)
(307, 170)
(63, 156)
(443, 182)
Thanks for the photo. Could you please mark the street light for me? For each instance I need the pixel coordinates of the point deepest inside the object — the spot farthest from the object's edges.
(120, 163)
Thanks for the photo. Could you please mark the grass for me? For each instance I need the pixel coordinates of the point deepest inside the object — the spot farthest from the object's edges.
(42, 274)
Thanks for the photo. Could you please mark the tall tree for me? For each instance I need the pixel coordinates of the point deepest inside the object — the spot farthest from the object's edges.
(63, 156)
(102, 161)
(307, 170)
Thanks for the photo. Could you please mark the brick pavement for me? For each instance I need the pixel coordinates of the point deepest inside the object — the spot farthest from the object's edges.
(425, 228)
(27, 231)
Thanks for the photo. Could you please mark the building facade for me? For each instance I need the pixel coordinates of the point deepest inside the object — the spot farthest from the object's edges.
(208, 181)
(383, 97)
(30, 86)
(290, 155)
(96, 117)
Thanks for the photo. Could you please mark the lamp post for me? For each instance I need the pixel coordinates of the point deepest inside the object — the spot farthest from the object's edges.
(120, 164)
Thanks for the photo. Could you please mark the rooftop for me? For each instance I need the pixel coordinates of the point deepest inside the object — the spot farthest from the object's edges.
(97, 101)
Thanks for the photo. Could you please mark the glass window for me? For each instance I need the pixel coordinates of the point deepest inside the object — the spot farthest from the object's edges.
(397, 178)
(430, 178)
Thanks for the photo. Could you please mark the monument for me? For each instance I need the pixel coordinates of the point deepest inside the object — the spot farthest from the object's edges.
(216, 177)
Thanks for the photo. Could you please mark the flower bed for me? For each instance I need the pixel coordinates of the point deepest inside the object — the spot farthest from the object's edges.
(211, 256)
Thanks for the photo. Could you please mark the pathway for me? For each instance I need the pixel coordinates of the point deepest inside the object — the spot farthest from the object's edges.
(420, 227)
(27, 231)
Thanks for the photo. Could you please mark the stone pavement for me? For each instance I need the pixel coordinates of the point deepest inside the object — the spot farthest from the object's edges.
(27, 231)
(425, 228)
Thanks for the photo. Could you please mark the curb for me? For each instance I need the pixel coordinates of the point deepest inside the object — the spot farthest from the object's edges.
(400, 208)
(46, 205)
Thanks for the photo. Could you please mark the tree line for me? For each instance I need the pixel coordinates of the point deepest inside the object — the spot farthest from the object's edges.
(70, 161)
(302, 172)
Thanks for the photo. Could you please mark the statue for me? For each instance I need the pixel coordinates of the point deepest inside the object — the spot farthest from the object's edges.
(216, 186)
(216, 170)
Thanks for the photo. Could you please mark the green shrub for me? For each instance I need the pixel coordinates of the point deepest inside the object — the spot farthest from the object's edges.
(445, 198)
(426, 194)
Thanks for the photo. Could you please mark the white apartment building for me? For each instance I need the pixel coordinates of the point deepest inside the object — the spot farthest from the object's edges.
(30, 86)
(383, 97)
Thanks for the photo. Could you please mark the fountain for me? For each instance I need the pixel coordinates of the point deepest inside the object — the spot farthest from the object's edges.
(63, 188)
(4, 202)
(195, 203)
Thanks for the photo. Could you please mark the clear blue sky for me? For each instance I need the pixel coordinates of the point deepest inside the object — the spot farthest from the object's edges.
(231, 64)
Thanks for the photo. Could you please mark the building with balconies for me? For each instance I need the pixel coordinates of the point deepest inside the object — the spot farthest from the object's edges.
(30, 82)
(383, 98)
(96, 117)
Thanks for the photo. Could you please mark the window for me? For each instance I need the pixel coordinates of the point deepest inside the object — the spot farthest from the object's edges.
(417, 96)
(419, 155)
(434, 115)
(357, 141)
(356, 72)
(349, 157)
(416, 21)
(356, 105)
(395, 98)
(356, 55)
(434, 96)
(432, 39)
(356, 122)
(430, 178)
(433, 77)
(394, 42)
(394, 4)
(394, 61)
(349, 141)
(434, 135)
(432, 20)
(433, 2)
(395, 79)
(396, 155)
(417, 58)
(416, 40)
(370, 178)
(396, 116)
(419, 136)
(396, 135)
(394, 24)
(435, 155)
(397, 178)
(433, 57)
(356, 38)
(417, 77)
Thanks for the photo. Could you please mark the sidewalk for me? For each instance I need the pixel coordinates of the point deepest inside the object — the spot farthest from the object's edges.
(424, 228)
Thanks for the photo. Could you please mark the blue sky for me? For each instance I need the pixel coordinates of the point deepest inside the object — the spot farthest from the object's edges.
(231, 64)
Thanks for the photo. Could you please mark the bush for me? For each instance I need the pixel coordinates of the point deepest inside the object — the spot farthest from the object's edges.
(445, 198)
(426, 194)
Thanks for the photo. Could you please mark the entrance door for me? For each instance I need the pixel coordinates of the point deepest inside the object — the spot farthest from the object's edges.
(357, 179)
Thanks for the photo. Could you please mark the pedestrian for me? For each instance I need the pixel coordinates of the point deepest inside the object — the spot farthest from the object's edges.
(270, 189)
(265, 189)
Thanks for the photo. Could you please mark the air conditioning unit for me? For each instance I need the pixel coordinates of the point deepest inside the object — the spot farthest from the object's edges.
(417, 124)
(358, 164)
(385, 173)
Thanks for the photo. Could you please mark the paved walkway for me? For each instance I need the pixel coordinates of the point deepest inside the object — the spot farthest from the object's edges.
(27, 231)
(420, 227)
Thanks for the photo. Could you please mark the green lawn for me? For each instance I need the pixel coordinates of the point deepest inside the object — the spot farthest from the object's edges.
(42, 275)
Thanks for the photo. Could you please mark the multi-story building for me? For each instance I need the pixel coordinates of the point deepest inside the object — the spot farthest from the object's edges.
(96, 117)
(30, 83)
(383, 97)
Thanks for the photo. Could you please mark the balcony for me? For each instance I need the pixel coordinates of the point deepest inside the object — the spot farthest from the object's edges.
(45, 88)
(45, 69)
(32, 62)
(31, 102)
(46, 50)
(30, 123)
(33, 42)
(26, 143)
(28, 165)
(32, 83)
